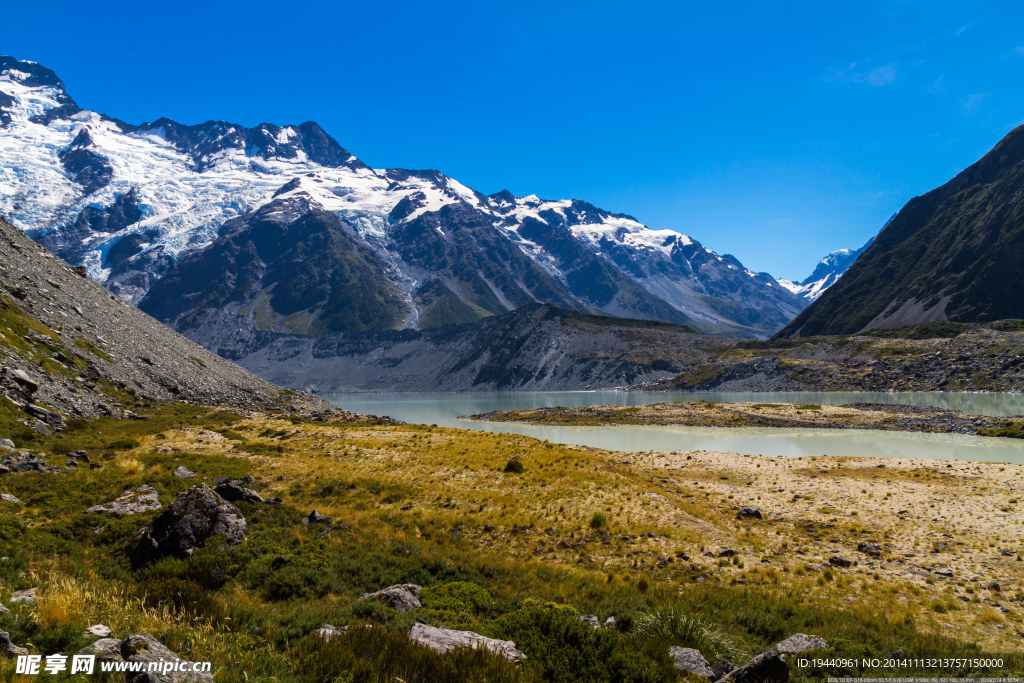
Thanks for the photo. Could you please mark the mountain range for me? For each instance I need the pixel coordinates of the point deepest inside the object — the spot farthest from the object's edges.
(216, 227)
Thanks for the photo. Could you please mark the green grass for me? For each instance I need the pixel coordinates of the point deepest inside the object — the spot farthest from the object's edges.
(254, 614)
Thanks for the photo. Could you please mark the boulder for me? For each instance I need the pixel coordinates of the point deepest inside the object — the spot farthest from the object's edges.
(22, 379)
(27, 596)
(869, 549)
(837, 561)
(721, 668)
(184, 525)
(610, 622)
(6, 445)
(445, 640)
(145, 648)
(8, 498)
(691, 661)
(8, 648)
(131, 502)
(316, 518)
(233, 491)
(26, 462)
(767, 667)
(591, 621)
(183, 472)
(98, 630)
(402, 597)
(748, 513)
(104, 649)
(4, 610)
(329, 632)
(800, 642)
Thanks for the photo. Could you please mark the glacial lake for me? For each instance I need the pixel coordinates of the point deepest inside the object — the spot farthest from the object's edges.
(444, 409)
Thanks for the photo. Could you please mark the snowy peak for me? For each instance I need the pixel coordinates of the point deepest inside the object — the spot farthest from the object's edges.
(133, 202)
(828, 270)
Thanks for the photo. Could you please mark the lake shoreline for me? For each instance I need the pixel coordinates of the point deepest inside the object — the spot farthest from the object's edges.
(873, 416)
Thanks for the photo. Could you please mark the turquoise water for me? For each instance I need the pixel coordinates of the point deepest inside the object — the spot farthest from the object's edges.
(444, 409)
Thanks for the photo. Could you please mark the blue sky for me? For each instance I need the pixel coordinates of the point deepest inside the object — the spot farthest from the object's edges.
(773, 131)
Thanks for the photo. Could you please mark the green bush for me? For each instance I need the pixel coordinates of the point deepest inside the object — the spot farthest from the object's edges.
(514, 466)
(598, 521)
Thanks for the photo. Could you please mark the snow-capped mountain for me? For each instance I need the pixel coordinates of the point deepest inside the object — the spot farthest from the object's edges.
(284, 227)
(826, 273)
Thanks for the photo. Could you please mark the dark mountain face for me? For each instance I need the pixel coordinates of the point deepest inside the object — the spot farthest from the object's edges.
(287, 267)
(956, 253)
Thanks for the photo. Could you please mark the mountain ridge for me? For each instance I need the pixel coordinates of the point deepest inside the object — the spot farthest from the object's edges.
(130, 202)
(955, 253)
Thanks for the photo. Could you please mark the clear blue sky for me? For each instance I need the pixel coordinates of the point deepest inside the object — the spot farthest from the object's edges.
(773, 131)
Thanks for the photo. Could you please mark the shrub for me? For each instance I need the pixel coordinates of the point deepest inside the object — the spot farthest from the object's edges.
(598, 521)
(514, 466)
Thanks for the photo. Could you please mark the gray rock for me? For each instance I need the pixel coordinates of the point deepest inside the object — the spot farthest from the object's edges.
(402, 597)
(146, 648)
(870, 549)
(27, 596)
(104, 649)
(131, 502)
(445, 640)
(183, 472)
(691, 661)
(748, 513)
(8, 648)
(837, 561)
(26, 462)
(591, 621)
(948, 573)
(329, 632)
(767, 667)
(184, 525)
(4, 610)
(8, 498)
(99, 630)
(19, 376)
(722, 667)
(610, 622)
(6, 445)
(233, 491)
(800, 642)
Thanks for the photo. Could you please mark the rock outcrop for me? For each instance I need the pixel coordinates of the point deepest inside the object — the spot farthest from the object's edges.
(133, 501)
(402, 598)
(185, 525)
(445, 640)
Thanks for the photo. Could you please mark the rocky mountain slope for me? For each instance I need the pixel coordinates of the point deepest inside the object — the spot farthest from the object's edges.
(536, 347)
(139, 204)
(826, 273)
(69, 348)
(955, 253)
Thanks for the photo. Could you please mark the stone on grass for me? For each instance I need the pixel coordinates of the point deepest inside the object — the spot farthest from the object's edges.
(233, 491)
(800, 642)
(183, 472)
(445, 640)
(145, 648)
(104, 649)
(99, 630)
(132, 502)
(185, 525)
(748, 513)
(27, 596)
(591, 621)
(403, 597)
(8, 498)
(8, 648)
(691, 661)
(767, 667)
